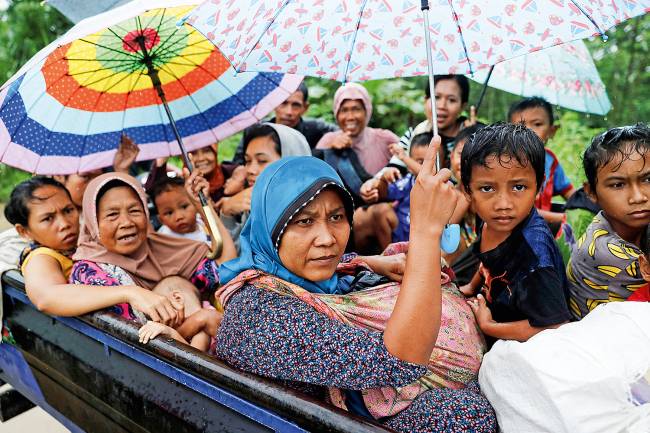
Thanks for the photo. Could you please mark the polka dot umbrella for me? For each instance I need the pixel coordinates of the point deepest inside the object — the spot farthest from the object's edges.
(132, 70)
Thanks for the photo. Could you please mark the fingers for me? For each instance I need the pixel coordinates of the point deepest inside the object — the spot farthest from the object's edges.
(429, 164)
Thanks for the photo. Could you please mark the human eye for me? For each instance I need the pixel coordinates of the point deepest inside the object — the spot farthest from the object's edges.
(46, 218)
(486, 188)
(303, 222)
(337, 217)
(617, 185)
(519, 188)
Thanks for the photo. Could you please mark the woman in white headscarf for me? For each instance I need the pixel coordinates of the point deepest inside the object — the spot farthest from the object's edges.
(264, 143)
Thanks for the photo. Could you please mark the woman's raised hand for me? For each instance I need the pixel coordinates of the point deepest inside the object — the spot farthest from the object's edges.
(433, 198)
(157, 307)
(237, 204)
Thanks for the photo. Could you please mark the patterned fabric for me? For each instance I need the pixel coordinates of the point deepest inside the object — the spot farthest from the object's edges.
(361, 40)
(283, 338)
(603, 268)
(454, 362)
(205, 278)
(555, 183)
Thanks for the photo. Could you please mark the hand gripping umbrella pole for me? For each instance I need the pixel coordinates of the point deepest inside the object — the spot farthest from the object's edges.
(451, 233)
(147, 60)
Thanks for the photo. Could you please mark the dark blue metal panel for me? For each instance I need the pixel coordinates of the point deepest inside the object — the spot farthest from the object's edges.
(17, 372)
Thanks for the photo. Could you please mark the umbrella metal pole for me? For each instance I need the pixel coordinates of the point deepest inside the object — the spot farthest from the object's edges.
(217, 245)
(451, 233)
(484, 89)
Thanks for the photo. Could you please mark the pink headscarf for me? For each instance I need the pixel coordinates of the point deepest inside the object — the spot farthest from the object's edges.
(371, 145)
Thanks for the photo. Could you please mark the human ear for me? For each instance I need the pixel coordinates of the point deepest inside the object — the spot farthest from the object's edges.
(553, 130)
(590, 192)
(644, 267)
(23, 232)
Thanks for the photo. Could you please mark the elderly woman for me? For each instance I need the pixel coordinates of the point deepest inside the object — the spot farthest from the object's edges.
(289, 315)
(263, 144)
(118, 247)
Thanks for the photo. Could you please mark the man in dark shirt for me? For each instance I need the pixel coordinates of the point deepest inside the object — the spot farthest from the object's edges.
(290, 113)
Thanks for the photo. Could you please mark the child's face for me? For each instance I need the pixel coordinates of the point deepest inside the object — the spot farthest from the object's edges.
(53, 219)
(236, 182)
(503, 193)
(536, 119)
(418, 153)
(176, 211)
(622, 191)
(455, 158)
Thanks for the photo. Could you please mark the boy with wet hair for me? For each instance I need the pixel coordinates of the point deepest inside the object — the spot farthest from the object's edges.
(521, 274)
(537, 114)
(604, 265)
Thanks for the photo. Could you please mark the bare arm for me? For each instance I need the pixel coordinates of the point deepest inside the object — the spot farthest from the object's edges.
(413, 326)
(48, 289)
(551, 217)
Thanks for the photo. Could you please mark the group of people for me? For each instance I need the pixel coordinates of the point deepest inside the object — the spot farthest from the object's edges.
(396, 334)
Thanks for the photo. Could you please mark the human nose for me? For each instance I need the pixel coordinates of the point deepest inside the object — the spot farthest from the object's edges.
(125, 220)
(638, 194)
(63, 223)
(324, 236)
(502, 201)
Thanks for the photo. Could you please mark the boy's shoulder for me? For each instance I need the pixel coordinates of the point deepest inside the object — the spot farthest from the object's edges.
(600, 238)
(541, 241)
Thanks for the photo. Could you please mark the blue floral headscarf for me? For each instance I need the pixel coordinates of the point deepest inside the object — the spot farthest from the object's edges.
(282, 190)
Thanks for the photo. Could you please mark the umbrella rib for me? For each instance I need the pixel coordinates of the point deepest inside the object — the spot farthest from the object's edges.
(354, 41)
(109, 48)
(123, 40)
(589, 17)
(164, 43)
(267, 27)
(462, 38)
(189, 95)
(167, 48)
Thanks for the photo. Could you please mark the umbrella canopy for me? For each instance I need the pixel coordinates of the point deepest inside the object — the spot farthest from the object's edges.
(362, 40)
(66, 109)
(564, 75)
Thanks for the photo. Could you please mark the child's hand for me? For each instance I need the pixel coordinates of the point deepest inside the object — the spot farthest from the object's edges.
(151, 330)
(369, 191)
(481, 311)
(397, 150)
(126, 153)
(391, 174)
(194, 183)
(472, 118)
(392, 266)
(433, 198)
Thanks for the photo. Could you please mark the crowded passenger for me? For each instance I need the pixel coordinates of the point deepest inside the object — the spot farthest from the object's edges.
(284, 304)
(537, 114)
(118, 247)
(176, 212)
(521, 283)
(604, 266)
(290, 113)
(263, 144)
(196, 326)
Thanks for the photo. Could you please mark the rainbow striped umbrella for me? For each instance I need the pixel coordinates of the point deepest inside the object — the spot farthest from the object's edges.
(131, 70)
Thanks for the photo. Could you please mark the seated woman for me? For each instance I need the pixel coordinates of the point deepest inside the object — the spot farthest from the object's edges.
(118, 246)
(263, 144)
(286, 315)
(44, 213)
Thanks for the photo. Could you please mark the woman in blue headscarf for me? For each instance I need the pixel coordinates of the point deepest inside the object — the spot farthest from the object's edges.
(276, 323)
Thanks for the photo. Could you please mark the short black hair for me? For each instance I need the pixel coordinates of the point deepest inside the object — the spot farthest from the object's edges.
(623, 141)
(165, 184)
(261, 130)
(17, 210)
(302, 88)
(461, 80)
(421, 140)
(529, 103)
(511, 140)
(466, 133)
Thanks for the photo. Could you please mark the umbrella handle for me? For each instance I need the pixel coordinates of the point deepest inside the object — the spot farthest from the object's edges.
(216, 246)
